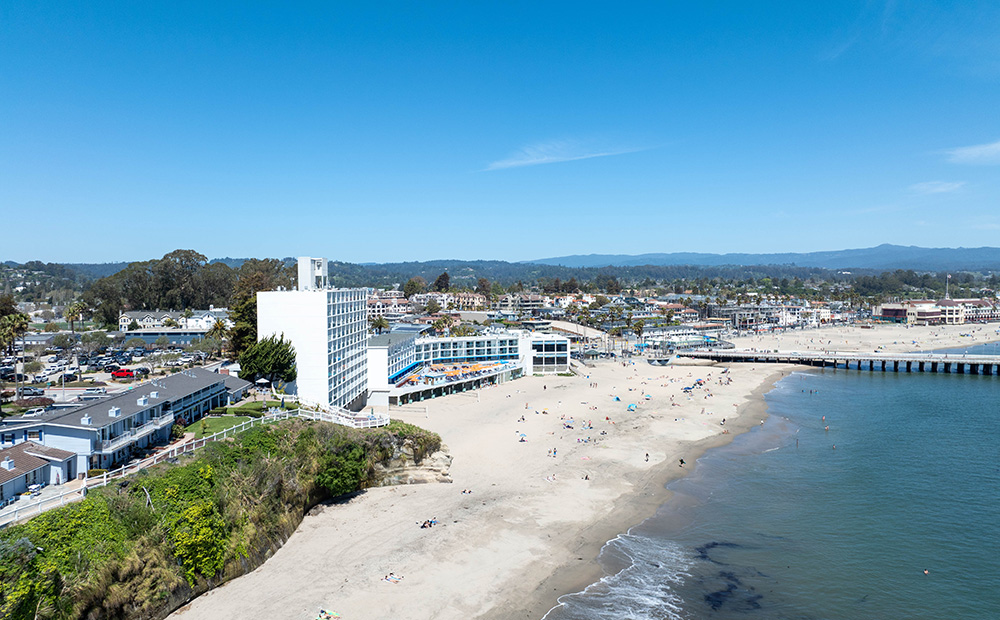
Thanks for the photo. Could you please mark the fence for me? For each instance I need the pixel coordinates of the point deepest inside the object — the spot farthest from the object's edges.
(342, 417)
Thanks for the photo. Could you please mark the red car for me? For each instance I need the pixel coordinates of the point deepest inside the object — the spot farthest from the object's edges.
(123, 373)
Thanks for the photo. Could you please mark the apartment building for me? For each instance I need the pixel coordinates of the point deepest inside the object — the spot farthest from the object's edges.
(113, 429)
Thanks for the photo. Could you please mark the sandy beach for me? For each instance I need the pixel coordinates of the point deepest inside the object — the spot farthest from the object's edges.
(533, 524)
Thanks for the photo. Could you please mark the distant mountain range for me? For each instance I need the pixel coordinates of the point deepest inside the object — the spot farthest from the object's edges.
(884, 256)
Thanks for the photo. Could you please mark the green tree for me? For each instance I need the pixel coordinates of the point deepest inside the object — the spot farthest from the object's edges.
(272, 358)
(51, 328)
(462, 330)
(379, 324)
(243, 333)
(93, 341)
(134, 325)
(442, 283)
(73, 313)
(483, 287)
(638, 327)
(217, 334)
(433, 307)
(135, 342)
(414, 286)
(63, 341)
(12, 326)
(162, 341)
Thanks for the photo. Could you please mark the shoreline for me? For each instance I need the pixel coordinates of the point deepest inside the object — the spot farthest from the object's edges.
(533, 526)
(652, 495)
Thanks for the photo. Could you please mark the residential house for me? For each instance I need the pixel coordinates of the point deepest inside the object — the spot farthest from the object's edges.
(28, 464)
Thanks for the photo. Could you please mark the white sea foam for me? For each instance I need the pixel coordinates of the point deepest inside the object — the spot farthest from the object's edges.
(643, 590)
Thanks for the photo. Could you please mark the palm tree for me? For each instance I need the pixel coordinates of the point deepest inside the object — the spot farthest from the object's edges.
(379, 324)
(73, 313)
(218, 332)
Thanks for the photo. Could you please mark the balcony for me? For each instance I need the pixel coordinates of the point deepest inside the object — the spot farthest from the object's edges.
(137, 433)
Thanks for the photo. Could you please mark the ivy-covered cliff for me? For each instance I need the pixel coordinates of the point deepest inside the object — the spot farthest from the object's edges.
(143, 547)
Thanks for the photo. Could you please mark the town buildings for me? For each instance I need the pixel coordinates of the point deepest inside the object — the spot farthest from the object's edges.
(200, 320)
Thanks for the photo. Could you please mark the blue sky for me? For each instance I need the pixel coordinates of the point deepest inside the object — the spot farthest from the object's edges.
(377, 132)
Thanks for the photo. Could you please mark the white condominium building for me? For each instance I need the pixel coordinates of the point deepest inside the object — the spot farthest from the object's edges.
(329, 331)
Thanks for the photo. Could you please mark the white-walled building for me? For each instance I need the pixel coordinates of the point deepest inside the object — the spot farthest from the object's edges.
(329, 331)
(392, 308)
(390, 356)
(536, 352)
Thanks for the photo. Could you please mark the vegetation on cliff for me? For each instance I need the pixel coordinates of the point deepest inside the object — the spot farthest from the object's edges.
(144, 546)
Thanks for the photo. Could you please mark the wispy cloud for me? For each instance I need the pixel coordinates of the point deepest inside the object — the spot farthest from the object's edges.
(555, 151)
(976, 154)
(937, 187)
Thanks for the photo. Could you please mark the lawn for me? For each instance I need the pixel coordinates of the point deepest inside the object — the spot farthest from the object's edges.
(214, 425)
(257, 406)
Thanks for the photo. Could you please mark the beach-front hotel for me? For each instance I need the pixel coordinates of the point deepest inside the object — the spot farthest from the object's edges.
(405, 367)
(328, 328)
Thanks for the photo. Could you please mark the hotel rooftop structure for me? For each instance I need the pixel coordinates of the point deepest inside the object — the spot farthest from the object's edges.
(328, 328)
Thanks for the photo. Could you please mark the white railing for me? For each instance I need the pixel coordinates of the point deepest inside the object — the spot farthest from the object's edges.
(336, 416)
(136, 433)
(31, 509)
(339, 415)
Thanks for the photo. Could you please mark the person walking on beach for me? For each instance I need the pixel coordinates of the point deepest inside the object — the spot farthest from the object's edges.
(647, 457)
(682, 462)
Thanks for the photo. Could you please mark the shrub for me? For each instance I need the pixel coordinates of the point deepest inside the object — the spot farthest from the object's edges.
(342, 469)
(37, 401)
(199, 538)
(176, 431)
(94, 473)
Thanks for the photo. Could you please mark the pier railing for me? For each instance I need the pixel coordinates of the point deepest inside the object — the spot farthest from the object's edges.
(952, 363)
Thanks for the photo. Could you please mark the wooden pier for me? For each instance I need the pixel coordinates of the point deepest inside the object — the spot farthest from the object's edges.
(950, 363)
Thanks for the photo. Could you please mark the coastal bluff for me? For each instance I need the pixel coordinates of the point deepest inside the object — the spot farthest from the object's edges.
(147, 547)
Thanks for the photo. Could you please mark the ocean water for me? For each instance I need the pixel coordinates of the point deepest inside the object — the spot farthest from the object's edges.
(795, 521)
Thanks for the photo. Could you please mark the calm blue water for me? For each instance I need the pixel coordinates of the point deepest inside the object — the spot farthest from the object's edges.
(780, 524)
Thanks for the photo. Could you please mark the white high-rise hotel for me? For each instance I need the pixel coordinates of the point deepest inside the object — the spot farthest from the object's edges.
(331, 370)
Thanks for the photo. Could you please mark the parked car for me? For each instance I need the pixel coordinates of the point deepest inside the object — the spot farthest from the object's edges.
(69, 377)
(110, 367)
(123, 373)
(141, 371)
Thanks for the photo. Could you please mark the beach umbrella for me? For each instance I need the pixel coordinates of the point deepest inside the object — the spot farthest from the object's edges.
(262, 381)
